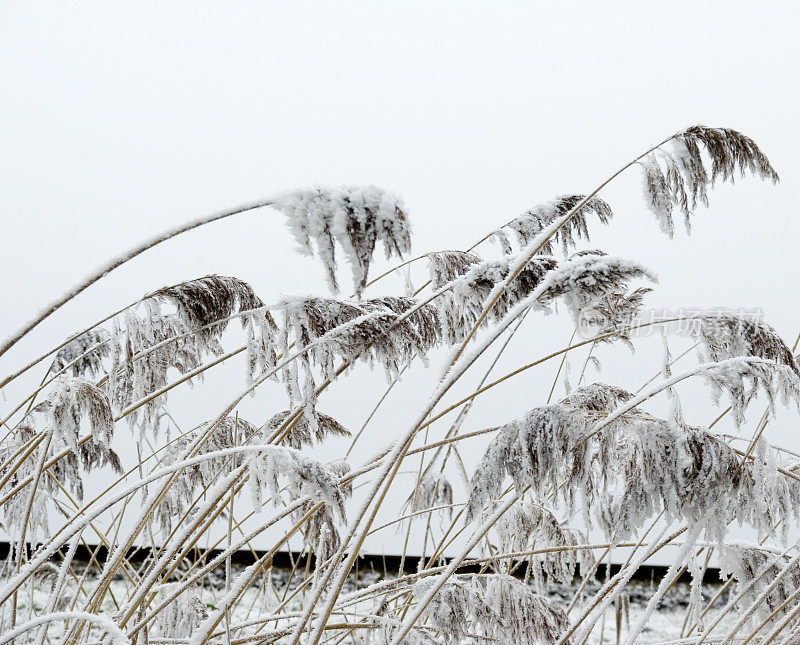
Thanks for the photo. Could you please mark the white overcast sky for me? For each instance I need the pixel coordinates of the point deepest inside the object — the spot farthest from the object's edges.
(118, 120)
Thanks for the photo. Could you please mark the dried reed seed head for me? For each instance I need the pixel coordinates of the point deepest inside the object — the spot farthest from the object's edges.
(137, 371)
(597, 397)
(459, 608)
(341, 469)
(527, 617)
(460, 306)
(614, 312)
(70, 401)
(534, 450)
(302, 476)
(676, 178)
(650, 465)
(728, 335)
(211, 299)
(304, 433)
(585, 278)
(421, 327)
(85, 353)
(504, 610)
(380, 332)
(355, 217)
(730, 152)
(446, 266)
(528, 523)
(182, 616)
(530, 224)
(756, 569)
(434, 490)
(635, 468)
(229, 433)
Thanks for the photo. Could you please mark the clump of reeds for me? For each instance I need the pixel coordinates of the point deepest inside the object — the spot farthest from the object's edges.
(528, 516)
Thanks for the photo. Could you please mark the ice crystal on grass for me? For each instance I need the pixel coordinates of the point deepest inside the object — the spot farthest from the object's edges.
(300, 474)
(261, 334)
(526, 617)
(446, 266)
(599, 398)
(65, 472)
(726, 336)
(139, 368)
(229, 433)
(85, 353)
(692, 475)
(762, 568)
(341, 468)
(586, 278)
(632, 469)
(532, 449)
(301, 477)
(461, 305)
(389, 623)
(181, 617)
(303, 432)
(505, 610)
(677, 177)
(73, 400)
(638, 475)
(380, 332)
(613, 312)
(458, 609)
(355, 217)
(434, 490)
(531, 223)
(147, 342)
(205, 304)
(528, 523)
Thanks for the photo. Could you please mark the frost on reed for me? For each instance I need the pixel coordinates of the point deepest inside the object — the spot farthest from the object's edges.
(634, 469)
(83, 356)
(462, 304)
(434, 490)
(527, 525)
(147, 342)
(228, 433)
(595, 462)
(302, 477)
(726, 336)
(302, 431)
(72, 405)
(355, 217)
(770, 580)
(182, 616)
(677, 176)
(531, 223)
(505, 610)
(329, 334)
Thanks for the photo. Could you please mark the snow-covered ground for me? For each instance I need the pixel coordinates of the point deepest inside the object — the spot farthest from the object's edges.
(664, 625)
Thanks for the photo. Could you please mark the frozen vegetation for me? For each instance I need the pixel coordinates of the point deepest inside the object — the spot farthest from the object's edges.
(526, 533)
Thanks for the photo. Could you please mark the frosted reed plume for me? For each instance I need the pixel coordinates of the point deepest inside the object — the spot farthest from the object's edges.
(84, 355)
(304, 432)
(677, 176)
(529, 225)
(354, 217)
